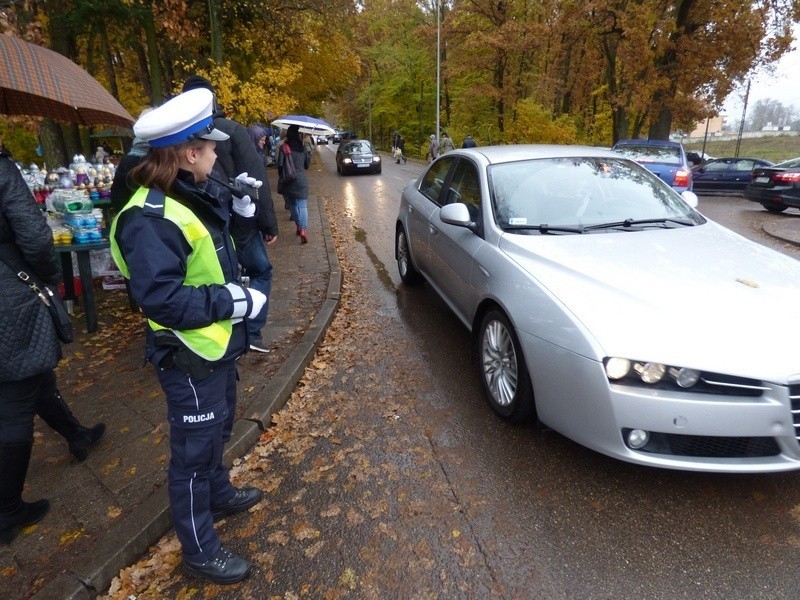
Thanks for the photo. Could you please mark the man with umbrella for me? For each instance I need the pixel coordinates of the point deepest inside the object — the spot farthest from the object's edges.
(235, 156)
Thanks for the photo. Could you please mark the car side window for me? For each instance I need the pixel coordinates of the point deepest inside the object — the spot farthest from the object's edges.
(433, 181)
(745, 165)
(465, 187)
(715, 166)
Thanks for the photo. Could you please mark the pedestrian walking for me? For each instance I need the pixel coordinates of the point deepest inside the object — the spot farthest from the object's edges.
(30, 348)
(469, 142)
(400, 149)
(172, 241)
(433, 149)
(295, 190)
(235, 156)
(447, 143)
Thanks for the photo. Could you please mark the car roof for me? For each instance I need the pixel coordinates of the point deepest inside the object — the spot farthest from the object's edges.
(661, 143)
(517, 152)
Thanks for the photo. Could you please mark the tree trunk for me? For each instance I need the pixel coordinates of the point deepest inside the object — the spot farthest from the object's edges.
(215, 29)
(54, 153)
(154, 61)
(661, 126)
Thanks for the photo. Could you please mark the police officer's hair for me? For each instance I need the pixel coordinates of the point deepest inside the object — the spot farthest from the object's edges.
(159, 167)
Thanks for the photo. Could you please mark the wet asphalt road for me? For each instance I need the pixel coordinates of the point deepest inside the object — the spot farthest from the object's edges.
(550, 519)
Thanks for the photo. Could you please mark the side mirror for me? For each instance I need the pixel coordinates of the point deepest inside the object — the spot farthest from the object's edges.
(690, 198)
(456, 214)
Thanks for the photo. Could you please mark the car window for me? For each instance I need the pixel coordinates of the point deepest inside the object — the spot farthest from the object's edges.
(465, 187)
(645, 153)
(577, 192)
(789, 164)
(744, 165)
(357, 147)
(715, 165)
(433, 181)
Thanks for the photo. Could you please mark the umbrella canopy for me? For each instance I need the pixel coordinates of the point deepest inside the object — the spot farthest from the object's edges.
(310, 125)
(39, 82)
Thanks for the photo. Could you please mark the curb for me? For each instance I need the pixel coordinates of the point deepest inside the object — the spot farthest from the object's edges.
(785, 232)
(148, 522)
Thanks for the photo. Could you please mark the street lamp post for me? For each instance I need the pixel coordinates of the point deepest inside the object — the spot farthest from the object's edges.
(438, 67)
(369, 102)
(365, 64)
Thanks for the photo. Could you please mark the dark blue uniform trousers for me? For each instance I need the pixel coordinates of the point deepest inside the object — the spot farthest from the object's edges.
(200, 415)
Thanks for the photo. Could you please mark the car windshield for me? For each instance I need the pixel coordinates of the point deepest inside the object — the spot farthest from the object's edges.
(579, 195)
(789, 164)
(670, 155)
(360, 147)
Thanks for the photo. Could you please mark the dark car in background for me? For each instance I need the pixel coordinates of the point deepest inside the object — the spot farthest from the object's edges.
(663, 158)
(725, 174)
(776, 188)
(354, 156)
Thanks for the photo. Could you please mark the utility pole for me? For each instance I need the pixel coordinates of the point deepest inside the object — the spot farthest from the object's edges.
(741, 125)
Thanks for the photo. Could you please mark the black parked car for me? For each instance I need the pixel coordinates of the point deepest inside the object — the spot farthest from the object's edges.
(776, 188)
(725, 174)
(353, 156)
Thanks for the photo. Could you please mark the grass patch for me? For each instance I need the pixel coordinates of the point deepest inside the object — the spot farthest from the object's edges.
(774, 148)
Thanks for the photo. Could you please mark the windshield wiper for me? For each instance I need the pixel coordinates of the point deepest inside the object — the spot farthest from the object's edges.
(544, 228)
(632, 222)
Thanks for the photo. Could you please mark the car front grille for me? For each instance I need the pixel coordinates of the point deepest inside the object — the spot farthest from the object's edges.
(704, 446)
(794, 398)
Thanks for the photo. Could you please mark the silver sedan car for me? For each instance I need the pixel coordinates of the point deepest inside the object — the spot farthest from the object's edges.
(603, 304)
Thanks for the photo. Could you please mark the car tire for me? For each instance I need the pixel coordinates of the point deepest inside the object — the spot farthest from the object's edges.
(775, 208)
(405, 266)
(501, 366)
(377, 171)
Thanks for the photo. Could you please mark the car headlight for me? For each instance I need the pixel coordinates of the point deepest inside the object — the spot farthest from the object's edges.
(376, 159)
(654, 375)
(618, 369)
(347, 160)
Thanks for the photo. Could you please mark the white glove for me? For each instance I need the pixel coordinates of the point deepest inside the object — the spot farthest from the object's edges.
(244, 297)
(244, 206)
(259, 300)
(251, 181)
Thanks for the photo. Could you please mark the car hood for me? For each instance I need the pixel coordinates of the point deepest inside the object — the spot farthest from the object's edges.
(700, 297)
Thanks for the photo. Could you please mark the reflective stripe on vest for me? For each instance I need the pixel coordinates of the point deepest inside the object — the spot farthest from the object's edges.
(202, 268)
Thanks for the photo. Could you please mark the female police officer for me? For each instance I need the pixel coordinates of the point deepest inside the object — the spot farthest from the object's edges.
(172, 242)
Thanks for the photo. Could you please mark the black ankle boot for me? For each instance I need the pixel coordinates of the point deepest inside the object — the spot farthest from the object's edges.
(28, 513)
(55, 412)
(14, 513)
(79, 445)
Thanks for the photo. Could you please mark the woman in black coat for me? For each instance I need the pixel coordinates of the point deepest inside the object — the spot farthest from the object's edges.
(30, 349)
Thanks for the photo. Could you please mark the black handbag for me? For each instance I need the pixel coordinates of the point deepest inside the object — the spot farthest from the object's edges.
(54, 304)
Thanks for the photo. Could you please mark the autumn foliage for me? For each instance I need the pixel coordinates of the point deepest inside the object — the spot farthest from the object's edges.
(509, 70)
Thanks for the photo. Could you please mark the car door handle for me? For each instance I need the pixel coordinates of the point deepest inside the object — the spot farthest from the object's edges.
(433, 229)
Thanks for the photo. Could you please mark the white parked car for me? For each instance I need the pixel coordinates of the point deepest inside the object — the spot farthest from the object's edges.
(603, 303)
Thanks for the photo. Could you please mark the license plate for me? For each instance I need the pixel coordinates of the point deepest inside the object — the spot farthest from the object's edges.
(761, 180)
(363, 165)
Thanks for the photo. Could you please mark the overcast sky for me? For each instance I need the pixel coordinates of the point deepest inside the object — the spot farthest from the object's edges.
(783, 85)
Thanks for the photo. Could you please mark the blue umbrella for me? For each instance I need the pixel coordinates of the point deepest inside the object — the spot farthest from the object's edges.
(306, 124)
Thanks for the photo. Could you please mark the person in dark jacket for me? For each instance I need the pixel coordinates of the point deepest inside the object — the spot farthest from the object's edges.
(235, 156)
(31, 350)
(123, 187)
(469, 142)
(172, 241)
(296, 191)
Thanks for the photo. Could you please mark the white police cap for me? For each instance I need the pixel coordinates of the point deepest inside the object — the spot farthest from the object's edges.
(185, 117)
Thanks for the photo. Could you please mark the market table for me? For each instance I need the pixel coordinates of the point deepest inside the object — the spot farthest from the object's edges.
(82, 251)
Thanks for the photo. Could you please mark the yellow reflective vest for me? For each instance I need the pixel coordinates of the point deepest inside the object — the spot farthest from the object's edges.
(203, 268)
